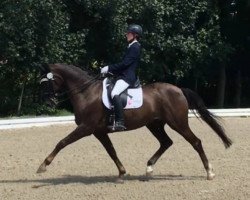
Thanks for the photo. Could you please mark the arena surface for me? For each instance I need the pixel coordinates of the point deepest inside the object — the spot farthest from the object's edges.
(84, 170)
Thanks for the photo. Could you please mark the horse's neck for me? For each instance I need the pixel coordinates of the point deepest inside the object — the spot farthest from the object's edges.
(77, 88)
(84, 101)
(74, 84)
(77, 84)
(74, 80)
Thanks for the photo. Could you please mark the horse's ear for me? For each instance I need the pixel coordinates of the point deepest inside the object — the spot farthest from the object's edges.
(41, 68)
(44, 68)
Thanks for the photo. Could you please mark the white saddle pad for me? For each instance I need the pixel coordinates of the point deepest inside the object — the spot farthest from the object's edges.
(134, 100)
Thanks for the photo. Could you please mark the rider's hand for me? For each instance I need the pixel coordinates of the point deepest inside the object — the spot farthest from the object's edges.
(105, 70)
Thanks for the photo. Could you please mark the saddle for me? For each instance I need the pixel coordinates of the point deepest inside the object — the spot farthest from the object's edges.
(110, 85)
(131, 97)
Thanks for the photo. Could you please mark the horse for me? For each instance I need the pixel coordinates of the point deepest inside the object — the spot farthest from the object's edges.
(163, 103)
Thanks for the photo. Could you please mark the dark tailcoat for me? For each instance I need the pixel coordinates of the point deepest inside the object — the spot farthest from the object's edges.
(126, 69)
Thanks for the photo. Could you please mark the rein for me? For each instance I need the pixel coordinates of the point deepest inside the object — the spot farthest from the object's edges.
(79, 88)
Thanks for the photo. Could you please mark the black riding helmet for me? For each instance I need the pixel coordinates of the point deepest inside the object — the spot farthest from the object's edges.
(136, 29)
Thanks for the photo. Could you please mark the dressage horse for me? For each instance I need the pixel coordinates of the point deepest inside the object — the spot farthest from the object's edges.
(162, 104)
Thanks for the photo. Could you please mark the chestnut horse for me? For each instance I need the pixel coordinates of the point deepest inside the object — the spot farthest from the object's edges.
(162, 104)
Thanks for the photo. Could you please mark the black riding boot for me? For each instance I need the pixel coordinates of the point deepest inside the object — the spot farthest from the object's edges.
(119, 119)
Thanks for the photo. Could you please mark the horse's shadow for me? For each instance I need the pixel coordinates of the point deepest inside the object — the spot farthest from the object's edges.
(88, 180)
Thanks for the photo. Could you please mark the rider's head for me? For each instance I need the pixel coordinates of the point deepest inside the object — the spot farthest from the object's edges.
(133, 32)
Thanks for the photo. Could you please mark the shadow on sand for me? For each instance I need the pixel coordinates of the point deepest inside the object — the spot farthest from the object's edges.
(88, 180)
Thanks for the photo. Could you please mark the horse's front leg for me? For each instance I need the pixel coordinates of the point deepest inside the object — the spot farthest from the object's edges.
(80, 132)
(106, 142)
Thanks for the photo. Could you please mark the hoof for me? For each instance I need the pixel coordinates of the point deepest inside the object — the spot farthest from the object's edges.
(42, 168)
(119, 180)
(210, 173)
(149, 171)
(210, 176)
(149, 174)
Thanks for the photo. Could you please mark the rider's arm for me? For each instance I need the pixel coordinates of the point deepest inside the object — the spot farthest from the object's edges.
(132, 56)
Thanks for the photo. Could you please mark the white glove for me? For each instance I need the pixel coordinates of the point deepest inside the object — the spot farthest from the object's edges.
(104, 70)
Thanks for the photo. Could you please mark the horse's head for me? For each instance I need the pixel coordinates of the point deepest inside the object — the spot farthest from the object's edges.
(57, 77)
(50, 84)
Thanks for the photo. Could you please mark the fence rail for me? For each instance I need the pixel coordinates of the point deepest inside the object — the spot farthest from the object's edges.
(45, 121)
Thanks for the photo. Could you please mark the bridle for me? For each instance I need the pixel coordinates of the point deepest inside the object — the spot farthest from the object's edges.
(50, 77)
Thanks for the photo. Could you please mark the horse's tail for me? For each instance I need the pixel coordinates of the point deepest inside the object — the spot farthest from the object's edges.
(196, 102)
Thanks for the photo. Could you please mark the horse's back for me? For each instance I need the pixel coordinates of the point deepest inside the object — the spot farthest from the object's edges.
(163, 90)
(165, 99)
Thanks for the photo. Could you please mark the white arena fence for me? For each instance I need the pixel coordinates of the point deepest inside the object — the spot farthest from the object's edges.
(45, 121)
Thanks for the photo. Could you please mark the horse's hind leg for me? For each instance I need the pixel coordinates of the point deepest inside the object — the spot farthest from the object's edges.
(107, 144)
(197, 145)
(157, 129)
(78, 133)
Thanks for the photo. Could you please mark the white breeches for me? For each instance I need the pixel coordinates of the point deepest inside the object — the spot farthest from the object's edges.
(119, 87)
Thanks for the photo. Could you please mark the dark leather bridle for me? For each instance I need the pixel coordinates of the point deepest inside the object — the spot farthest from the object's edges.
(51, 94)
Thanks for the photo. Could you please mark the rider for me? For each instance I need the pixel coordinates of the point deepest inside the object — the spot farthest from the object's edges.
(125, 71)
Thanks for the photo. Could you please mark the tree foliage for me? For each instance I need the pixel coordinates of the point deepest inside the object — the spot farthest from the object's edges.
(184, 41)
(178, 35)
(31, 33)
